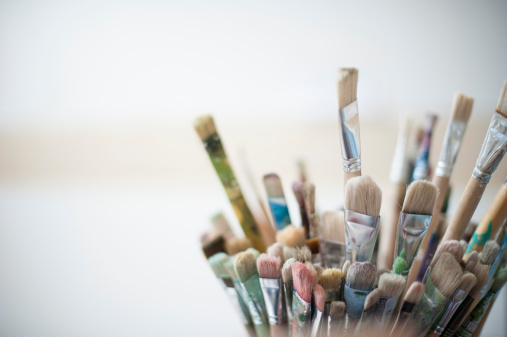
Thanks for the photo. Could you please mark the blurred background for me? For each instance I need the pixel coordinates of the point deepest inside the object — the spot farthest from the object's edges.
(104, 185)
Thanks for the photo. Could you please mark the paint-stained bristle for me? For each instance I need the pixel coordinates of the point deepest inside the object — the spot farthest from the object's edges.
(313, 245)
(269, 266)
(361, 275)
(309, 196)
(319, 297)
(449, 246)
(217, 264)
(471, 261)
(331, 279)
(501, 106)
(276, 249)
(420, 198)
(468, 281)
(214, 246)
(363, 195)
(391, 285)
(289, 252)
(337, 309)
(489, 253)
(273, 185)
(312, 270)
(291, 236)
(447, 274)
(287, 270)
(346, 84)
(236, 245)
(302, 279)
(245, 265)
(399, 265)
(481, 272)
(204, 126)
(371, 299)
(345, 268)
(303, 254)
(319, 271)
(462, 107)
(333, 226)
(500, 280)
(414, 292)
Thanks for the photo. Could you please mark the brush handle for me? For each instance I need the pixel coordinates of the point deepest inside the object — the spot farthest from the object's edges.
(471, 323)
(491, 222)
(466, 208)
(280, 330)
(477, 332)
(349, 175)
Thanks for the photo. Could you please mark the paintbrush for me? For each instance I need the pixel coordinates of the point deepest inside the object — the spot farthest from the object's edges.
(276, 249)
(335, 319)
(492, 221)
(367, 320)
(332, 239)
(443, 281)
(303, 279)
(363, 198)
(398, 177)
(288, 287)
(270, 278)
(331, 281)
(276, 200)
(217, 263)
(319, 297)
(412, 296)
(422, 164)
(234, 246)
(472, 322)
(216, 245)
(314, 246)
(452, 247)
(492, 151)
(346, 84)
(471, 261)
(291, 236)
(309, 199)
(467, 282)
(469, 232)
(391, 287)
(205, 128)
(222, 226)
(246, 268)
(297, 188)
(497, 262)
(415, 218)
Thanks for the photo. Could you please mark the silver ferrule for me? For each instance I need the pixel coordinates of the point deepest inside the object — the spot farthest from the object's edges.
(493, 149)
(450, 148)
(355, 300)
(399, 167)
(287, 291)
(317, 324)
(272, 292)
(360, 236)
(332, 253)
(255, 302)
(411, 231)
(457, 298)
(351, 145)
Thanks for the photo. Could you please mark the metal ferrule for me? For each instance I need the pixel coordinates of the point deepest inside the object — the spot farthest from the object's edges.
(360, 236)
(287, 291)
(411, 231)
(272, 292)
(317, 324)
(332, 253)
(255, 303)
(493, 149)
(428, 308)
(384, 310)
(450, 148)
(301, 314)
(355, 301)
(399, 169)
(351, 145)
(453, 305)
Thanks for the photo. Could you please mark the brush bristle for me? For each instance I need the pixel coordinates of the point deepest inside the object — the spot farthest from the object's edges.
(269, 266)
(346, 83)
(319, 297)
(447, 274)
(501, 106)
(489, 253)
(337, 309)
(469, 231)
(302, 279)
(204, 126)
(371, 299)
(229, 267)
(414, 292)
(363, 195)
(361, 276)
(254, 251)
(391, 285)
(309, 196)
(245, 265)
(399, 265)
(221, 225)
(332, 226)
(319, 271)
(449, 246)
(289, 252)
(468, 281)
(217, 264)
(462, 107)
(273, 185)
(420, 198)
(345, 268)
(471, 261)
(313, 270)
(217, 245)
(291, 236)
(481, 272)
(313, 245)
(234, 246)
(500, 280)
(276, 249)
(303, 254)
(331, 279)
(287, 270)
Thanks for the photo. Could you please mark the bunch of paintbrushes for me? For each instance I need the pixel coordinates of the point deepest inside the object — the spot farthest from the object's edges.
(431, 276)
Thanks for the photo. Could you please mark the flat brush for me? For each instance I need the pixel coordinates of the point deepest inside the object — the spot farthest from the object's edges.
(276, 200)
(297, 188)
(492, 151)
(288, 287)
(452, 247)
(332, 241)
(331, 282)
(335, 319)
(216, 245)
(363, 198)
(346, 83)
(319, 296)
(360, 281)
(367, 320)
(390, 288)
(313, 218)
(205, 128)
(412, 296)
(291, 236)
(314, 246)
(422, 164)
(303, 279)
(471, 261)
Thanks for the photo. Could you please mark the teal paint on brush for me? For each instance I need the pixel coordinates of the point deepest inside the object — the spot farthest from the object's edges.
(280, 212)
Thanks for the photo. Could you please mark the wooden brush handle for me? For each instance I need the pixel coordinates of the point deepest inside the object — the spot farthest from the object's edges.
(466, 208)
(280, 330)
(250, 330)
(349, 175)
(491, 222)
